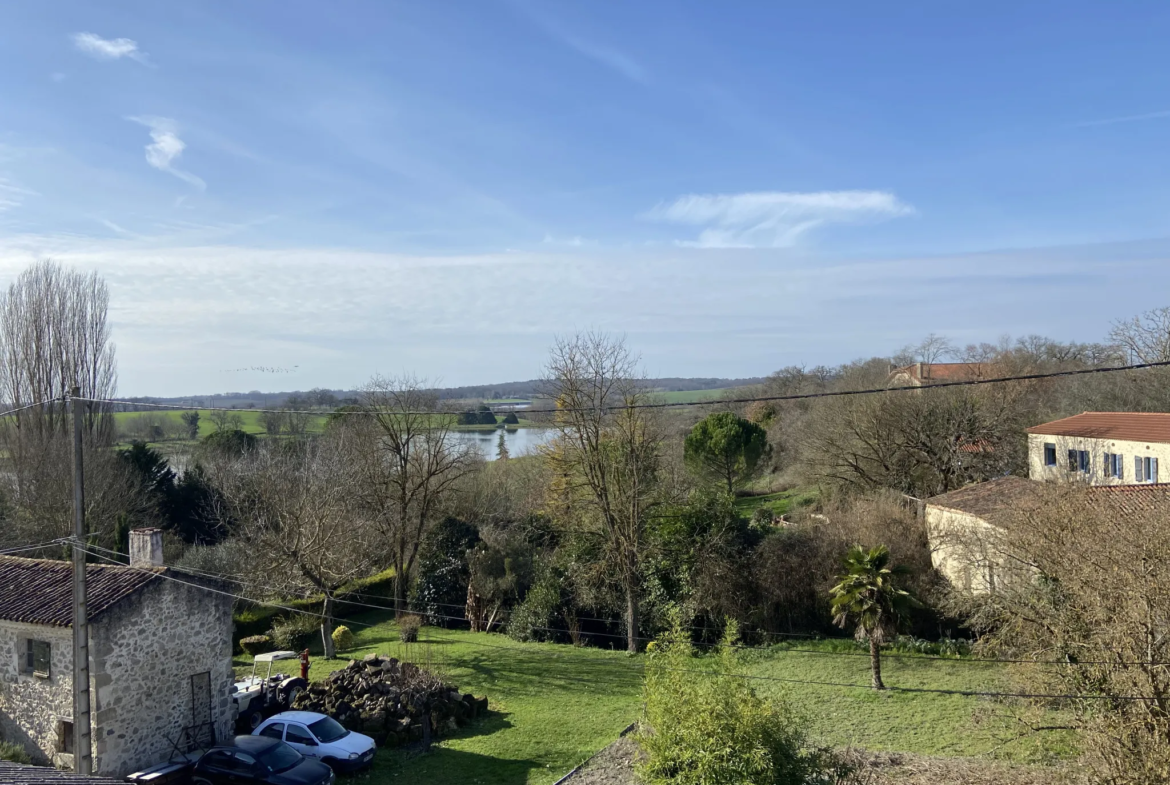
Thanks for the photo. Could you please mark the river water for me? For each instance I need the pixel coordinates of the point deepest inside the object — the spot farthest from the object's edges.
(520, 441)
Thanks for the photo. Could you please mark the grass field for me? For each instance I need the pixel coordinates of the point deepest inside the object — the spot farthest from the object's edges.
(250, 422)
(553, 705)
(694, 396)
(779, 503)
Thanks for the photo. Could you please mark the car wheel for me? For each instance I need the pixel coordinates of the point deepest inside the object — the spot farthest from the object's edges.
(330, 762)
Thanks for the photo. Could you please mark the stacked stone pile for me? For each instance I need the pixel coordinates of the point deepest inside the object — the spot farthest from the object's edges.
(390, 700)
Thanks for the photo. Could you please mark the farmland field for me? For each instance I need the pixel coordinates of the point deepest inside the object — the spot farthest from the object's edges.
(694, 396)
(553, 705)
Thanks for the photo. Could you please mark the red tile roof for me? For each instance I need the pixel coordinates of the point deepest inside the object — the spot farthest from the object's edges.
(1125, 426)
(40, 591)
(988, 500)
(926, 373)
(1134, 498)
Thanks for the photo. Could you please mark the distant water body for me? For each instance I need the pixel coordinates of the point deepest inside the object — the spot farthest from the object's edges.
(520, 441)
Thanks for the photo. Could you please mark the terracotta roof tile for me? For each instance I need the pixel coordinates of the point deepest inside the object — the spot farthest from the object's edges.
(1135, 498)
(989, 500)
(40, 591)
(1126, 426)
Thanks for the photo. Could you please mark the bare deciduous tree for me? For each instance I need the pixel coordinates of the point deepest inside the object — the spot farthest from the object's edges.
(54, 334)
(405, 465)
(1144, 338)
(294, 507)
(606, 455)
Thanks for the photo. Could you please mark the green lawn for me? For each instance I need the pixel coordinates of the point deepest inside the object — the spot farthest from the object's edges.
(694, 396)
(554, 705)
(250, 420)
(780, 503)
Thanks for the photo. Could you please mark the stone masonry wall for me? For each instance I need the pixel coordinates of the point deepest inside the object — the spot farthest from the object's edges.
(32, 707)
(146, 652)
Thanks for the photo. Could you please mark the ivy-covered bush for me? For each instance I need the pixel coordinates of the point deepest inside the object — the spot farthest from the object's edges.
(256, 644)
(295, 633)
(13, 753)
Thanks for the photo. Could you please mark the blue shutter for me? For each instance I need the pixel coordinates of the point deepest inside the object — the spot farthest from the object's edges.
(1154, 470)
(1120, 466)
(1137, 468)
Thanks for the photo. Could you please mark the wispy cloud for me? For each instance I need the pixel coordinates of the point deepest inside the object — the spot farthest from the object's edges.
(109, 48)
(166, 147)
(12, 195)
(623, 64)
(1133, 118)
(773, 219)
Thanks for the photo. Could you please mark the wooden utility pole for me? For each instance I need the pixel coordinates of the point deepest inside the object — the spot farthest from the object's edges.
(82, 752)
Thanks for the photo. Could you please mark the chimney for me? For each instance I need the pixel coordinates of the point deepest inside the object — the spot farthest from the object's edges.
(146, 548)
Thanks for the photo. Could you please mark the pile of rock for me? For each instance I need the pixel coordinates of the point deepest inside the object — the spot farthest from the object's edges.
(390, 700)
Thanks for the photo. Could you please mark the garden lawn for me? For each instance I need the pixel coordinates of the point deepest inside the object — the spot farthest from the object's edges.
(779, 503)
(553, 705)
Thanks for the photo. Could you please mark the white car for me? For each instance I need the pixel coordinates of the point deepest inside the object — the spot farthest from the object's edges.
(319, 736)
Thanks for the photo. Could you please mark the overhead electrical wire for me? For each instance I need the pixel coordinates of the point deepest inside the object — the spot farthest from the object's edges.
(654, 405)
(960, 659)
(757, 677)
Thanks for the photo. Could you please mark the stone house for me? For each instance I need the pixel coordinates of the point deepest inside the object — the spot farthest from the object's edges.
(1101, 448)
(925, 374)
(966, 528)
(160, 659)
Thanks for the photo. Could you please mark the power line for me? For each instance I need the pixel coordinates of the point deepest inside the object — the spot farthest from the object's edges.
(658, 405)
(968, 693)
(961, 659)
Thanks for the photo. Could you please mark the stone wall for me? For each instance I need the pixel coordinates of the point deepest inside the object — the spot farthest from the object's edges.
(970, 552)
(146, 651)
(32, 707)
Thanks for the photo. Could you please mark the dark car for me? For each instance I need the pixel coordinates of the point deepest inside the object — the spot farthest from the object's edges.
(253, 760)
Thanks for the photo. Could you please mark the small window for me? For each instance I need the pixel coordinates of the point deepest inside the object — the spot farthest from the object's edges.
(65, 737)
(298, 735)
(1147, 470)
(1119, 466)
(38, 656)
(274, 731)
(1072, 460)
(1083, 461)
(1049, 454)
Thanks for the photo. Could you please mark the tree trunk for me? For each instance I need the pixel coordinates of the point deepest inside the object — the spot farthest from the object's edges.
(631, 618)
(875, 662)
(327, 626)
(399, 588)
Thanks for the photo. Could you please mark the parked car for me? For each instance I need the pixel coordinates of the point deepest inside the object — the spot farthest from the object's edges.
(319, 736)
(258, 760)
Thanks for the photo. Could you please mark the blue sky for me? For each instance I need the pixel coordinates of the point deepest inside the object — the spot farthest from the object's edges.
(440, 188)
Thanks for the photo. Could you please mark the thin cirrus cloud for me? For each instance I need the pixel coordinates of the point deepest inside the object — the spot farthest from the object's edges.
(165, 147)
(774, 219)
(108, 48)
(624, 65)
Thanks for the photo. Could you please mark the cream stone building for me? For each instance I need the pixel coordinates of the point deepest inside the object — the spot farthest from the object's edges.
(1119, 454)
(160, 659)
(926, 374)
(1102, 448)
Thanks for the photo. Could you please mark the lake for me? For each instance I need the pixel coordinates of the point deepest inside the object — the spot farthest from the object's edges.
(520, 441)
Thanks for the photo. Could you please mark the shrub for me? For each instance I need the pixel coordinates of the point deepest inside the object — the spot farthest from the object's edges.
(530, 620)
(256, 644)
(408, 626)
(295, 633)
(714, 728)
(343, 639)
(14, 753)
(511, 419)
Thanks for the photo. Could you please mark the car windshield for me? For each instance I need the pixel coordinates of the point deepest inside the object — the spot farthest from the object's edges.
(280, 757)
(328, 729)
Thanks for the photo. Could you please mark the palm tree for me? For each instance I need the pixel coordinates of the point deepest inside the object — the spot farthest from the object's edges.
(867, 596)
